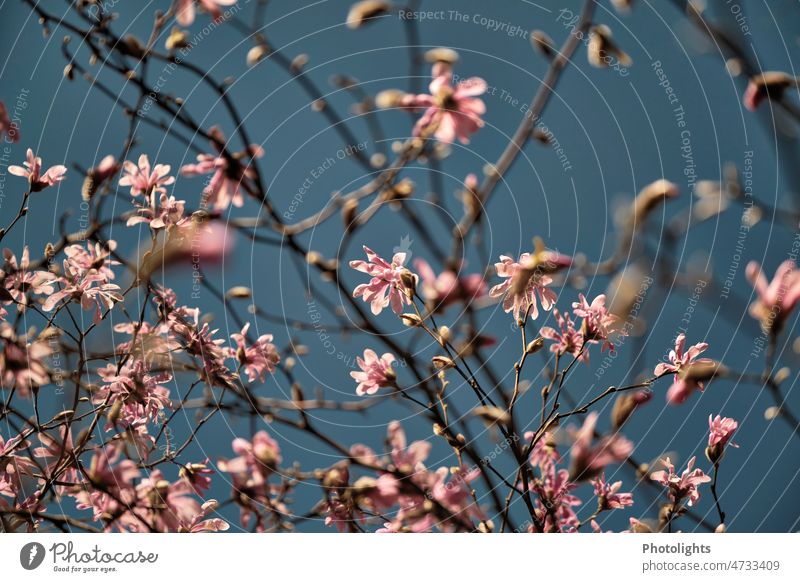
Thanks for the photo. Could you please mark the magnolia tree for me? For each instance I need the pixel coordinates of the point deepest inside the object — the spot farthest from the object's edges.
(93, 432)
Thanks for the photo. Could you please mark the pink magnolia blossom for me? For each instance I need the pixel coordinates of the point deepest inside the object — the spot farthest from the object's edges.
(89, 288)
(441, 291)
(682, 386)
(598, 322)
(386, 286)
(13, 466)
(555, 501)
(519, 303)
(608, 496)
(589, 458)
(450, 111)
(225, 186)
(544, 452)
(92, 258)
(22, 362)
(99, 175)
(17, 278)
(720, 431)
(566, 339)
(143, 179)
(165, 213)
(138, 393)
(32, 170)
(186, 10)
(164, 506)
(7, 126)
(776, 299)
(197, 476)
(375, 372)
(257, 359)
(683, 486)
(250, 472)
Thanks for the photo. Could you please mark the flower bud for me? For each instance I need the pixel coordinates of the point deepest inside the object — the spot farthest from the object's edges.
(542, 43)
(534, 345)
(441, 55)
(362, 12)
(442, 362)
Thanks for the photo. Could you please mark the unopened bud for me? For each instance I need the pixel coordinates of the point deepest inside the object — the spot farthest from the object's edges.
(361, 12)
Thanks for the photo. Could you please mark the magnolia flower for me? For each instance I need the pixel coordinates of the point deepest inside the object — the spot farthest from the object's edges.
(683, 385)
(776, 299)
(589, 458)
(22, 362)
(93, 258)
(224, 187)
(164, 214)
(375, 372)
(608, 496)
(98, 175)
(137, 393)
(567, 340)
(544, 452)
(555, 500)
(32, 170)
(720, 431)
(143, 179)
(388, 285)
(682, 487)
(444, 289)
(90, 289)
(450, 111)
(186, 11)
(18, 279)
(524, 301)
(257, 359)
(598, 322)
(7, 127)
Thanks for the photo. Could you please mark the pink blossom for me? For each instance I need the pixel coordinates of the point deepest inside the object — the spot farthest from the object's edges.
(544, 452)
(720, 432)
(185, 13)
(22, 362)
(598, 322)
(197, 476)
(138, 393)
(521, 302)
(375, 372)
(608, 495)
(7, 127)
(407, 458)
(143, 179)
(776, 299)
(567, 340)
(18, 279)
(450, 111)
(32, 170)
(386, 286)
(90, 290)
(164, 214)
(13, 467)
(99, 175)
(249, 472)
(684, 486)
(257, 359)
(682, 386)
(225, 186)
(447, 288)
(590, 459)
(555, 501)
(93, 258)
